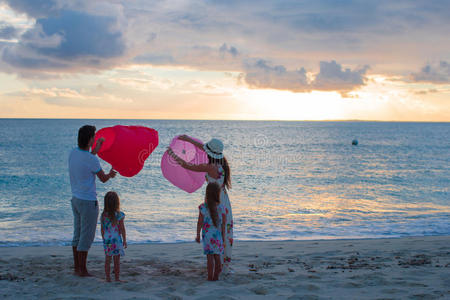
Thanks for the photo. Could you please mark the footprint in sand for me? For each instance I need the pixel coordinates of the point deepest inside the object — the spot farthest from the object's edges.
(259, 290)
(304, 297)
(312, 287)
(423, 297)
(353, 285)
(393, 291)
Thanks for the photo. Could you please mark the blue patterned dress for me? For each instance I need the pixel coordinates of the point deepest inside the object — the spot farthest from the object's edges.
(212, 235)
(112, 240)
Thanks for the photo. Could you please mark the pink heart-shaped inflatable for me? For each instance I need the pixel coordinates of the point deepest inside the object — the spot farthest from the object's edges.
(186, 180)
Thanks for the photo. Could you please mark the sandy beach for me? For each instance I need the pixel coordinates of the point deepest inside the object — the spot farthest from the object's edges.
(405, 268)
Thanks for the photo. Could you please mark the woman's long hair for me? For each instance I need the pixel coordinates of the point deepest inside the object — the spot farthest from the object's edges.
(226, 168)
(111, 206)
(212, 200)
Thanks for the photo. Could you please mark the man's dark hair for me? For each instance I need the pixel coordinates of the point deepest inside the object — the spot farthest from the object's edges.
(85, 133)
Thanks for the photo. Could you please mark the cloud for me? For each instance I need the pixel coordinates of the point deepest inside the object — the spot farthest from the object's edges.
(393, 37)
(68, 41)
(144, 82)
(21, 58)
(223, 58)
(53, 93)
(323, 16)
(37, 38)
(425, 92)
(331, 77)
(73, 98)
(83, 35)
(434, 73)
(154, 59)
(260, 74)
(225, 50)
(34, 8)
(7, 31)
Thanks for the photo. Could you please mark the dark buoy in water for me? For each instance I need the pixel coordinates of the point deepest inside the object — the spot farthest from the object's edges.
(355, 142)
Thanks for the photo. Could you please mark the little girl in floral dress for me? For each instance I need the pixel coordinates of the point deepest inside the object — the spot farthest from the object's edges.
(113, 230)
(217, 170)
(212, 220)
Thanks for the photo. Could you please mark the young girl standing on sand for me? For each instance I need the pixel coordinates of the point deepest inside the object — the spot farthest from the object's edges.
(113, 230)
(217, 171)
(211, 221)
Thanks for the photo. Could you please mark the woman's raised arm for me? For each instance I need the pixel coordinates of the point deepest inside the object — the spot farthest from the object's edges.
(190, 140)
(207, 168)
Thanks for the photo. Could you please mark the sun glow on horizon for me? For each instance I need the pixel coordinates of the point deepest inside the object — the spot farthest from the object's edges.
(143, 92)
(285, 105)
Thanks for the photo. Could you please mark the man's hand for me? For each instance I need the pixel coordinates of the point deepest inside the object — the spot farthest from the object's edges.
(105, 177)
(197, 239)
(98, 145)
(112, 173)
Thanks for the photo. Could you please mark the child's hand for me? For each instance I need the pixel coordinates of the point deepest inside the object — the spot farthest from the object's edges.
(125, 245)
(197, 239)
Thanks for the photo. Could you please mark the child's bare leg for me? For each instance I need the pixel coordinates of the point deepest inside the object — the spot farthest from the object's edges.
(117, 267)
(217, 266)
(210, 266)
(107, 268)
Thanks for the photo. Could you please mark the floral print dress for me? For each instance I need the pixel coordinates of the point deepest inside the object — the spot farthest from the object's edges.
(212, 235)
(112, 240)
(225, 201)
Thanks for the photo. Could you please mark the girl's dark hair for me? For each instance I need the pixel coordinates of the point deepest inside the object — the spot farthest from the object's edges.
(111, 206)
(212, 200)
(85, 133)
(226, 168)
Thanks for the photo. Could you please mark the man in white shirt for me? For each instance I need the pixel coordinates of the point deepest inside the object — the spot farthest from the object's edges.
(84, 166)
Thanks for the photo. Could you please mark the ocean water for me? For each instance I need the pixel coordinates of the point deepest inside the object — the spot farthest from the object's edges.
(291, 181)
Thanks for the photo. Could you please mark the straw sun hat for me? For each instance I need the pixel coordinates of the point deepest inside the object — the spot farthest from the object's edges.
(214, 148)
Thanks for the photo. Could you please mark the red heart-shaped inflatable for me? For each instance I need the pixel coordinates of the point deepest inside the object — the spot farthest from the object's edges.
(126, 147)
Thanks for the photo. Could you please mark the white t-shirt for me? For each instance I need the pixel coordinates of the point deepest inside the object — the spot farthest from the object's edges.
(83, 167)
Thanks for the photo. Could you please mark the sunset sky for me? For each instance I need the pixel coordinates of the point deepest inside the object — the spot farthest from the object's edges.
(270, 60)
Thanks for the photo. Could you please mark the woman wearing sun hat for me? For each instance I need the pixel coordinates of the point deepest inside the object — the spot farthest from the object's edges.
(217, 170)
